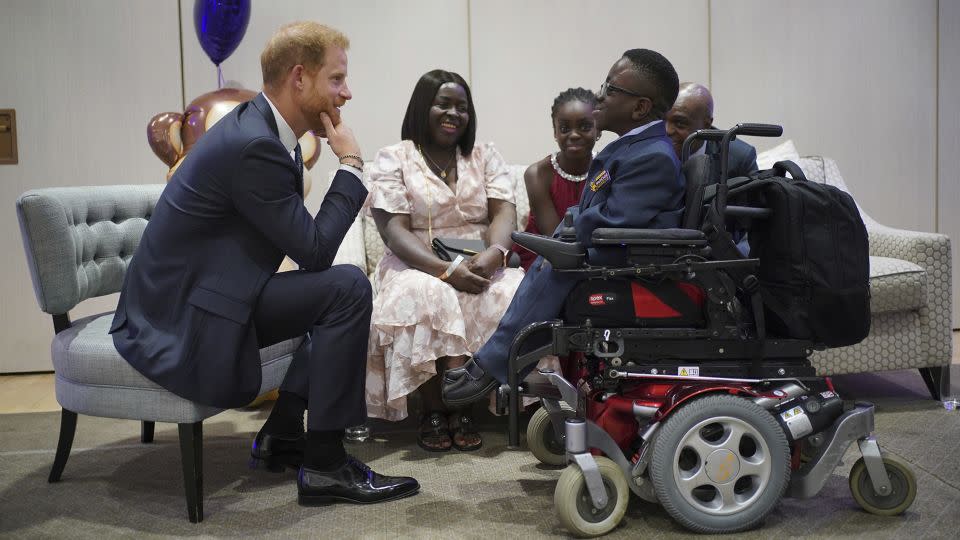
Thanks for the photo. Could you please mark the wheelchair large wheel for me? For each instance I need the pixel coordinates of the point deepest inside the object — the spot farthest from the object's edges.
(542, 440)
(720, 464)
(903, 486)
(575, 507)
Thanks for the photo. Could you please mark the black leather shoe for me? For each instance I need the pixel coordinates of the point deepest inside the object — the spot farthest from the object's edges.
(464, 385)
(277, 451)
(353, 482)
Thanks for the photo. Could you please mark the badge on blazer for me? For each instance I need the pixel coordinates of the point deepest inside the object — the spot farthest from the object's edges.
(599, 181)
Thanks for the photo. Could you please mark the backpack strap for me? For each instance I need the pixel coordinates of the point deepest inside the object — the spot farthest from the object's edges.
(787, 166)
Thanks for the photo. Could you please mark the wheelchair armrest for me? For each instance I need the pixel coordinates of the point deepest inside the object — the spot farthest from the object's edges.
(649, 237)
(561, 255)
(567, 234)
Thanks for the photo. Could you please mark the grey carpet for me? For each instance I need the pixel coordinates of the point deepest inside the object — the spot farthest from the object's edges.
(115, 486)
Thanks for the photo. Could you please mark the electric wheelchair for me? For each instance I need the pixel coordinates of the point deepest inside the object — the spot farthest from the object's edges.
(692, 405)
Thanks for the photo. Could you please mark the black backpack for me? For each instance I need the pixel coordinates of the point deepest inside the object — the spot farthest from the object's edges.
(814, 257)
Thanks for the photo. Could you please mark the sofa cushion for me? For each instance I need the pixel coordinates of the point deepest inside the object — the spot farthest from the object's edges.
(784, 151)
(84, 353)
(520, 193)
(896, 285)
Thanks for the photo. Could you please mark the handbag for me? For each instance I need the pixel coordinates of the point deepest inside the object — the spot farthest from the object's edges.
(447, 249)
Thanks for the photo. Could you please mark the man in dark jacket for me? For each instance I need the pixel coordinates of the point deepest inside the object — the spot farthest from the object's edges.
(201, 296)
(692, 111)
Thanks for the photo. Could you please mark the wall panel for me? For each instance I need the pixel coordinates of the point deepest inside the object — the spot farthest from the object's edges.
(525, 53)
(948, 197)
(84, 77)
(855, 81)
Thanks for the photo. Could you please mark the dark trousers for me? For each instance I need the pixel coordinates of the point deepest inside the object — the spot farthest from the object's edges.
(539, 297)
(333, 307)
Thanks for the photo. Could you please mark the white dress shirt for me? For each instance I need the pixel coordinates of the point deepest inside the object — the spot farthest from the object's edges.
(289, 138)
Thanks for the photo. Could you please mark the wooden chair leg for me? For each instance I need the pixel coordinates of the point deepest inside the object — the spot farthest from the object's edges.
(191, 454)
(146, 432)
(68, 426)
(937, 380)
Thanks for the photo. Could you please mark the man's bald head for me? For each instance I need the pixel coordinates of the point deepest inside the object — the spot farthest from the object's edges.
(695, 96)
(693, 110)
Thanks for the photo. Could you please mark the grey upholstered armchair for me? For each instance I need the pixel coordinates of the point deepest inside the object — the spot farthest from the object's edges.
(78, 242)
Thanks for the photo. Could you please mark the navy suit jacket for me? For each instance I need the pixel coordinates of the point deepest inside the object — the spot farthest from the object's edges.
(635, 183)
(220, 230)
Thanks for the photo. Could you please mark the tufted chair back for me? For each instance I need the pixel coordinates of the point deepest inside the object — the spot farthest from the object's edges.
(100, 226)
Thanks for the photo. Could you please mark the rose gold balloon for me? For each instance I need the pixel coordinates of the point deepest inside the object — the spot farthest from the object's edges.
(310, 149)
(214, 104)
(163, 134)
(171, 135)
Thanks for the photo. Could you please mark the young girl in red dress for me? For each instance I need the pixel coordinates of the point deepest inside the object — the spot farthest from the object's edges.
(555, 182)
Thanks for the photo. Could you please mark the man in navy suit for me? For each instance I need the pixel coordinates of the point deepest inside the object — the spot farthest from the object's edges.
(692, 111)
(201, 295)
(635, 182)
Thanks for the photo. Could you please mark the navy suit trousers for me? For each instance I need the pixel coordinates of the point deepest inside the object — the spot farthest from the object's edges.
(540, 297)
(333, 307)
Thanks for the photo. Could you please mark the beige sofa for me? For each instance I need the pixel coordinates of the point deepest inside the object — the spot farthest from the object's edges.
(909, 281)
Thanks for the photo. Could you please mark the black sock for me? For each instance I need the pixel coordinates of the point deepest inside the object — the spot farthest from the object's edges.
(287, 415)
(324, 450)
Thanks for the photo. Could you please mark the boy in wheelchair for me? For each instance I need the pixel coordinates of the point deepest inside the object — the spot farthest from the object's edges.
(681, 388)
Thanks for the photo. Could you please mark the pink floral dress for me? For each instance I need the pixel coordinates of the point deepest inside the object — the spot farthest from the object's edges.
(417, 318)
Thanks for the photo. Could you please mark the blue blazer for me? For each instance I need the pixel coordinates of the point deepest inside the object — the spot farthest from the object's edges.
(634, 183)
(220, 230)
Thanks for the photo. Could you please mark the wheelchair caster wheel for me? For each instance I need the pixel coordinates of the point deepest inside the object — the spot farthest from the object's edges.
(575, 507)
(720, 464)
(903, 486)
(542, 440)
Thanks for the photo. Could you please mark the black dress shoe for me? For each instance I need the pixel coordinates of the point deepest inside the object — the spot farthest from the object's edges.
(277, 451)
(353, 482)
(464, 385)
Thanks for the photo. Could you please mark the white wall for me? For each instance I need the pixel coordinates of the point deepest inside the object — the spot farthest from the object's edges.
(525, 53)
(948, 199)
(855, 80)
(845, 81)
(84, 78)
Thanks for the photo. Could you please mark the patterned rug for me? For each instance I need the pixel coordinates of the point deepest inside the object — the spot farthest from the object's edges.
(115, 486)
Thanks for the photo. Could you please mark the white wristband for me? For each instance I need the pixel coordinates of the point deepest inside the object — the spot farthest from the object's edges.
(450, 269)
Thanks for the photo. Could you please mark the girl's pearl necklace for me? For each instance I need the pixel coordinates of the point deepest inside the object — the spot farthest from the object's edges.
(564, 174)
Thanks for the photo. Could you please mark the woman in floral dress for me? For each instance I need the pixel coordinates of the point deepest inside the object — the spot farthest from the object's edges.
(430, 315)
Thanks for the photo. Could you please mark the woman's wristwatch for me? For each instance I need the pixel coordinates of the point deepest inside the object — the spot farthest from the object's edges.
(505, 251)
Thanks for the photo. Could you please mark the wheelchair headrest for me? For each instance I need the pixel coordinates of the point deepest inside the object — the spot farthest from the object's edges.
(698, 171)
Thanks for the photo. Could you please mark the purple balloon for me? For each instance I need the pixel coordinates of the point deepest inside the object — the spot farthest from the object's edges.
(220, 26)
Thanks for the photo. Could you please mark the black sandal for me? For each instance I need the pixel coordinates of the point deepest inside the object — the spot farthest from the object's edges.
(461, 427)
(434, 433)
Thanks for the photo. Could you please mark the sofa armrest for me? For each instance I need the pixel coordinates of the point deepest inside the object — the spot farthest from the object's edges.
(931, 252)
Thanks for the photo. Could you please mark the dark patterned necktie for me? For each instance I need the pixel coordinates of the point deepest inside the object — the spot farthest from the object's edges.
(298, 157)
